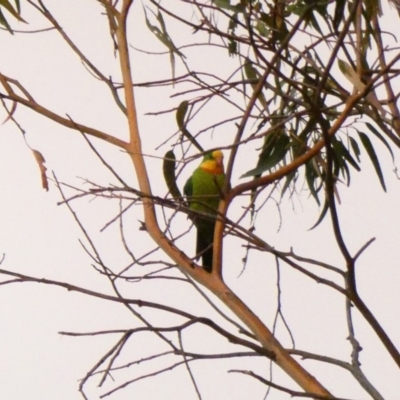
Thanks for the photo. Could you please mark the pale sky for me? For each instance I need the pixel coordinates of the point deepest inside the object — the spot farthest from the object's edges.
(41, 239)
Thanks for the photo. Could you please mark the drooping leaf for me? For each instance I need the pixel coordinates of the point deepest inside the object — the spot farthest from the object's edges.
(262, 29)
(373, 8)
(314, 23)
(232, 43)
(381, 138)
(346, 174)
(339, 14)
(232, 47)
(41, 161)
(169, 175)
(180, 120)
(168, 42)
(163, 37)
(4, 22)
(321, 216)
(249, 70)
(10, 8)
(307, 8)
(273, 24)
(311, 179)
(373, 157)
(288, 181)
(355, 147)
(343, 154)
(252, 74)
(181, 113)
(162, 34)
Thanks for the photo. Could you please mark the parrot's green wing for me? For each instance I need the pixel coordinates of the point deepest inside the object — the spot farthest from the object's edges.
(188, 188)
(203, 190)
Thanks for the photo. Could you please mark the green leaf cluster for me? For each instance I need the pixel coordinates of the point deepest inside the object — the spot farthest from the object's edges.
(280, 148)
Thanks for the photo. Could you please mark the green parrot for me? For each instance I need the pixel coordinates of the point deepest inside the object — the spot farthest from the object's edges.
(203, 192)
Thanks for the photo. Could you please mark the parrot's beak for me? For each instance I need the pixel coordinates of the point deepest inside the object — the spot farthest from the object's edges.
(220, 162)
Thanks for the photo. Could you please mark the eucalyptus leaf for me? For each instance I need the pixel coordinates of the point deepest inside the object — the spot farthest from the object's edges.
(373, 157)
(180, 120)
(381, 138)
(252, 74)
(311, 177)
(10, 8)
(339, 14)
(4, 22)
(163, 37)
(343, 154)
(321, 216)
(169, 175)
(355, 147)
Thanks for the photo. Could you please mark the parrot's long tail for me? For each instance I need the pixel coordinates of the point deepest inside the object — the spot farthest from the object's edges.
(204, 247)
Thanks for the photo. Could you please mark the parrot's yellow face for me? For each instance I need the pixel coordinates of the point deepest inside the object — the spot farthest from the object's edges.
(213, 163)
